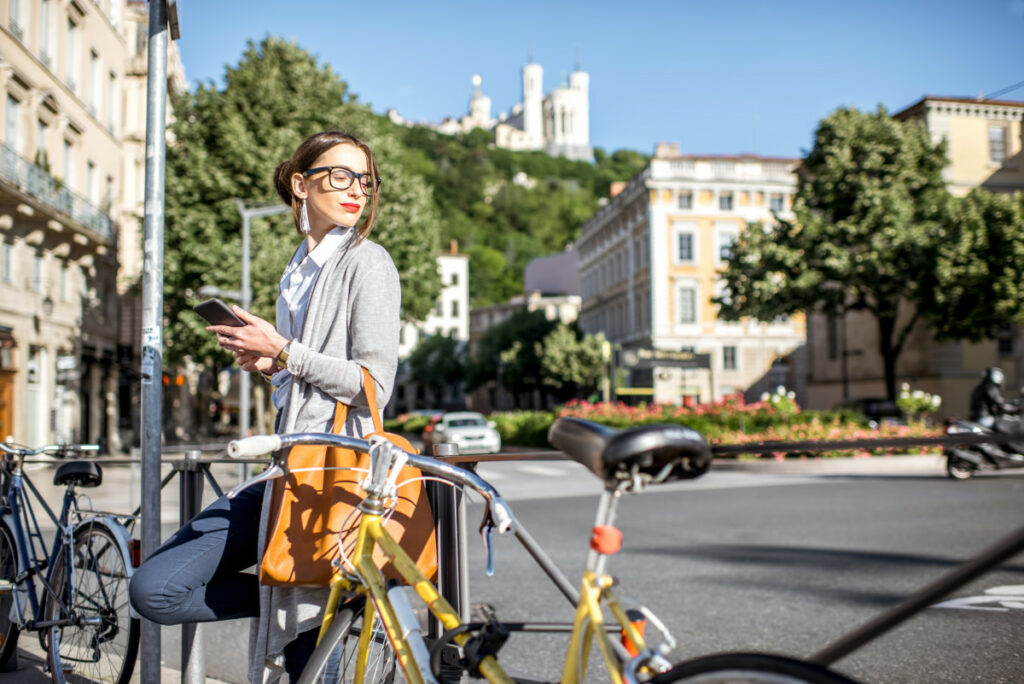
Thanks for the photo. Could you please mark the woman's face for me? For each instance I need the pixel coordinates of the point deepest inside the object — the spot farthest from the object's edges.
(326, 205)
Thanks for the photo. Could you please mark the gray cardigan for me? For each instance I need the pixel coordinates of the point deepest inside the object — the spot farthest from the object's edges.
(352, 322)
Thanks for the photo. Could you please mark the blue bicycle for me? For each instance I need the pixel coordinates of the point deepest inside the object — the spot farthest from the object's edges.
(72, 591)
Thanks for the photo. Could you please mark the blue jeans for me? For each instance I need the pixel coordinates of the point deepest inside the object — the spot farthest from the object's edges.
(196, 575)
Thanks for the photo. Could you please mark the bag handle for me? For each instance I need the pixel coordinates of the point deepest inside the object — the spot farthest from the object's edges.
(370, 389)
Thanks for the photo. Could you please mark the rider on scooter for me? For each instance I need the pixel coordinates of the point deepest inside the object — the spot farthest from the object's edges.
(987, 402)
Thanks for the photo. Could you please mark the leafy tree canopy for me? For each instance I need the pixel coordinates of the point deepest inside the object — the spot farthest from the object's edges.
(227, 143)
(509, 348)
(869, 217)
(437, 362)
(980, 268)
(570, 362)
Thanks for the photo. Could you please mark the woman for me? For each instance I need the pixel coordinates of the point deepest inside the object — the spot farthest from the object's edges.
(337, 312)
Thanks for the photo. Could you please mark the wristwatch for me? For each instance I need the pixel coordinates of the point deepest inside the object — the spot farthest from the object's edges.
(282, 358)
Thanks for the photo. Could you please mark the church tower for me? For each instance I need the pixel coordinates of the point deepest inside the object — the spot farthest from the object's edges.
(533, 98)
(479, 106)
(579, 84)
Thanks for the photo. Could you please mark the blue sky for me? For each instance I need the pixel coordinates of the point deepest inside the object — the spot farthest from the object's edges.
(718, 76)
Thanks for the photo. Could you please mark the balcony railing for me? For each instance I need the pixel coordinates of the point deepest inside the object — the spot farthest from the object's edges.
(37, 182)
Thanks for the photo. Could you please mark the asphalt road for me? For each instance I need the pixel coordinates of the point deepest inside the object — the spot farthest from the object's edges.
(754, 561)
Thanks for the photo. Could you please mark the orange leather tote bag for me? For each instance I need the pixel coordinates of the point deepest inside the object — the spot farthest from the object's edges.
(311, 511)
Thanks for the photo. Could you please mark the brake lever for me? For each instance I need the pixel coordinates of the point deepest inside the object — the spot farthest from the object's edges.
(487, 533)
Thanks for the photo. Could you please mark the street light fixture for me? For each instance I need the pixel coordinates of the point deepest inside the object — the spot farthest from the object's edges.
(244, 297)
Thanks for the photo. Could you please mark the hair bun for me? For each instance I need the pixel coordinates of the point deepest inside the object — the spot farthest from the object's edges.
(283, 182)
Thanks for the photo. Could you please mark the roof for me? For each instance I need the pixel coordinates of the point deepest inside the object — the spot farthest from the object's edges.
(911, 109)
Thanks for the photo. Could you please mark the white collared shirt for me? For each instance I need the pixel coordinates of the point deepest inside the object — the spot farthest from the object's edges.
(293, 299)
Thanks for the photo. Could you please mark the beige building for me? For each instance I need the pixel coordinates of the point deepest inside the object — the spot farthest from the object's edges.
(70, 194)
(985, 141)
(650, 263)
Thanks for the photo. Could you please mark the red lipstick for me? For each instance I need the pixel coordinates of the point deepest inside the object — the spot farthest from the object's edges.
(350, 207)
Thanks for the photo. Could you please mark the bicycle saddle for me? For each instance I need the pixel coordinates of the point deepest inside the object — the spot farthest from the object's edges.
(612, 454)
(78, 473)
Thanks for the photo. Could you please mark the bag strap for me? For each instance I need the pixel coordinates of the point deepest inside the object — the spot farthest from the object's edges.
(370, 389)
(340, 415)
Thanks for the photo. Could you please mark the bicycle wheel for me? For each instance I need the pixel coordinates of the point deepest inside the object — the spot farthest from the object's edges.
(334, 659)
(8, 571)
(750, 668)
(102, 641)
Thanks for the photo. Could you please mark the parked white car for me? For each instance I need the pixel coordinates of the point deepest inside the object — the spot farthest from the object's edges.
(473, 433)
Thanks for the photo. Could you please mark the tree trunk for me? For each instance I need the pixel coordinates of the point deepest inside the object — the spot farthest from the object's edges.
(889, 352)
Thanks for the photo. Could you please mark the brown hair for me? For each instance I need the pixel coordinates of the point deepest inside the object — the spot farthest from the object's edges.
(304, 156)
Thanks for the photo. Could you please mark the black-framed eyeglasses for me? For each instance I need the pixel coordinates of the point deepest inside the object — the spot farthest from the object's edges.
(342, 177)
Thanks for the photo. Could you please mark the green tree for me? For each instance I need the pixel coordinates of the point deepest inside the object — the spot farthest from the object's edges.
(507, 354)
(571, 363)
(869, 213)
(436, 363)
(227, 143)
(980, 268)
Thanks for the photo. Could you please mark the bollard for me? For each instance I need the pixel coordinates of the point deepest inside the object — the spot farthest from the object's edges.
(451, 568)
(190, 485)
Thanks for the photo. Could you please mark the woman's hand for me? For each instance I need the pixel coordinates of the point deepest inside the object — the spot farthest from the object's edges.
(258, 337)
(252, 363)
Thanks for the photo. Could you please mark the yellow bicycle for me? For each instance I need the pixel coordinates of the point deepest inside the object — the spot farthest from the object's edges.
(369, 625)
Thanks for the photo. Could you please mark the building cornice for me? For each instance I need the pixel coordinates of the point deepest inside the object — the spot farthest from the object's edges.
(963, 105)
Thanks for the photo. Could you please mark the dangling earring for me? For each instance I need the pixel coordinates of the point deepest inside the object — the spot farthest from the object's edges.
(303, 219)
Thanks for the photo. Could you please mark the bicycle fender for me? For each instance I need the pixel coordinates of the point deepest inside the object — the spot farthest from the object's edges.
(123, 538)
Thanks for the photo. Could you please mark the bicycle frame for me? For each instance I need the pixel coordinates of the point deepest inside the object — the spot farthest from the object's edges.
(589, 622)
(20, 515)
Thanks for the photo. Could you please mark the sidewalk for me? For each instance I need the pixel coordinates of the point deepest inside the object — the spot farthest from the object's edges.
(905, 464)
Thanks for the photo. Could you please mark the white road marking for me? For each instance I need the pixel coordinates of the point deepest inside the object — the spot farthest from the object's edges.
(543, 470)
(1004, 598)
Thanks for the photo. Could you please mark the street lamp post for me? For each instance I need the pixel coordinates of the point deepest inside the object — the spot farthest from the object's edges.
(244, 297)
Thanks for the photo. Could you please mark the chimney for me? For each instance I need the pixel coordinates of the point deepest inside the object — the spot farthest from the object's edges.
(616, 188)
(666, 150)
(453, 247)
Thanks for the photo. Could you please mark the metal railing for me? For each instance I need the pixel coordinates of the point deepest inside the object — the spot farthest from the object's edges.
(37, 182)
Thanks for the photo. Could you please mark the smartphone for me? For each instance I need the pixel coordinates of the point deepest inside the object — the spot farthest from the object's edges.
(218, 313)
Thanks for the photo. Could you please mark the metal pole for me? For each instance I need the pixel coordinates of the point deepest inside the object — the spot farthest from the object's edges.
(152, 312)
(190, 488)
(243, 383)
(450, 571)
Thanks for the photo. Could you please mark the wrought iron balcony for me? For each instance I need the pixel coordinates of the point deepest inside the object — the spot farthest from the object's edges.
(37, 182)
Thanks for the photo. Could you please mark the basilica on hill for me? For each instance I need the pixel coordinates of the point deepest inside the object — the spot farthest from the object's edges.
(557, 123)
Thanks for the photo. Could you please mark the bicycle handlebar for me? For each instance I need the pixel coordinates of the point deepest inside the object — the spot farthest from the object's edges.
(258, 445)
(8, 448)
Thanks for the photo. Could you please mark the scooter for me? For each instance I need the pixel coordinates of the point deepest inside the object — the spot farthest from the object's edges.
(963, 461)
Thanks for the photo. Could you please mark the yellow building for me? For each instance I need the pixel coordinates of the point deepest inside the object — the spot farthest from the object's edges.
(984, 146)
(71, 105)
(650, 262)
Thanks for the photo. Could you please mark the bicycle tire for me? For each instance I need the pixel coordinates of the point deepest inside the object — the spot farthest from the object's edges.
(750, 668)
(333, 660)
(9, 630)
(94, 653)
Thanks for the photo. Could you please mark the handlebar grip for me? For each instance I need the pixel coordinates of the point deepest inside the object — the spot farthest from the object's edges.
(257, 445)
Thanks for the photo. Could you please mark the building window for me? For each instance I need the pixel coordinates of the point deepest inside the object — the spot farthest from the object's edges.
(63, 282)
(44, 32)
(1004, 338)
(728, 358)
(94, 82)
(71, 52)
(997, 144)
(685, 247)
(6, 261)
(17, 18)
(455, 279)
(42, 156)
(455, 308)
(725, 201)
(686, 200)
(11, 123)
(775, 202)
(726, 235)
(111, 100)
(91, 188)
(687, 307)
(440, 308)
(69, 166)
(37, 272)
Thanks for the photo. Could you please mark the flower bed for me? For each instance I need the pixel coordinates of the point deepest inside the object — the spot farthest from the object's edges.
(728, 421)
